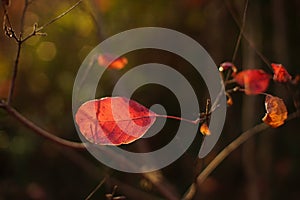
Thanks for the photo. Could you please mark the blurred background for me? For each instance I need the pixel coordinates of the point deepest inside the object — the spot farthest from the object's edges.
(266, 167)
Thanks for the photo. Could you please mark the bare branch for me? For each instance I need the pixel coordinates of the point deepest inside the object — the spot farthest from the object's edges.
(23, 18)
(14, 75)
(29, 124)
(59, 16)
(226, 151)
(7, 26)
(9, 31)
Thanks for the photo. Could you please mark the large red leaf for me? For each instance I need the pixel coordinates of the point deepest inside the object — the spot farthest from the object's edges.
(255, 81)
(280, 73)
(113, 120)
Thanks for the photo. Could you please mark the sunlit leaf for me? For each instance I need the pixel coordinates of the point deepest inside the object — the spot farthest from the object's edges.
(276, 111)
(113, 120)
(280, 73)
(110, 61)
(204, 129)
(254, 81)
(229, 99)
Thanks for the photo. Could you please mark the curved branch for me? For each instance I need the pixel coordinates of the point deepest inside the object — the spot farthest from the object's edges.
(226, 151)
(29, 124)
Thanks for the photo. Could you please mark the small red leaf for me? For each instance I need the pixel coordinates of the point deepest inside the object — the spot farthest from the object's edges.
(113, 120)
(280, 73)
(255, 81)
(110, 61)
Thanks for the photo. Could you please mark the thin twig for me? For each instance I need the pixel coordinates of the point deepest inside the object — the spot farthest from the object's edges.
(9, 31)
(36, 31)
(238, 42)
(96, 188)
(251, 44)
(226, 151)
(14, 75)
(6, 20)
(29, 124)
(241, 32)
(23, 18)
(59, 16)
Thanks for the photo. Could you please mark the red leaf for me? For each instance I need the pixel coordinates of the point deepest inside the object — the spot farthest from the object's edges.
(113, 120)
(255, 81)
(280, 73)
(110, 61)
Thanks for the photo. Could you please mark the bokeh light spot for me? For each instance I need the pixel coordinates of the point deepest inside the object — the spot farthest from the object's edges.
(46, 51)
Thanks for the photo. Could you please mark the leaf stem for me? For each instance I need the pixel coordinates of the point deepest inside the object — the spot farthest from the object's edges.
(196, 121)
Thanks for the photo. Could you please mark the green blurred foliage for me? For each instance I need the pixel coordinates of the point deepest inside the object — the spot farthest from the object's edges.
(34, 168)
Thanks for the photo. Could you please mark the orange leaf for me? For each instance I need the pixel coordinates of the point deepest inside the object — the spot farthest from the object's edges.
(280, 73)
(276, 111)
(113, 120)
(255, 81)
(111, 61)
(229, 99)
(204, 129)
